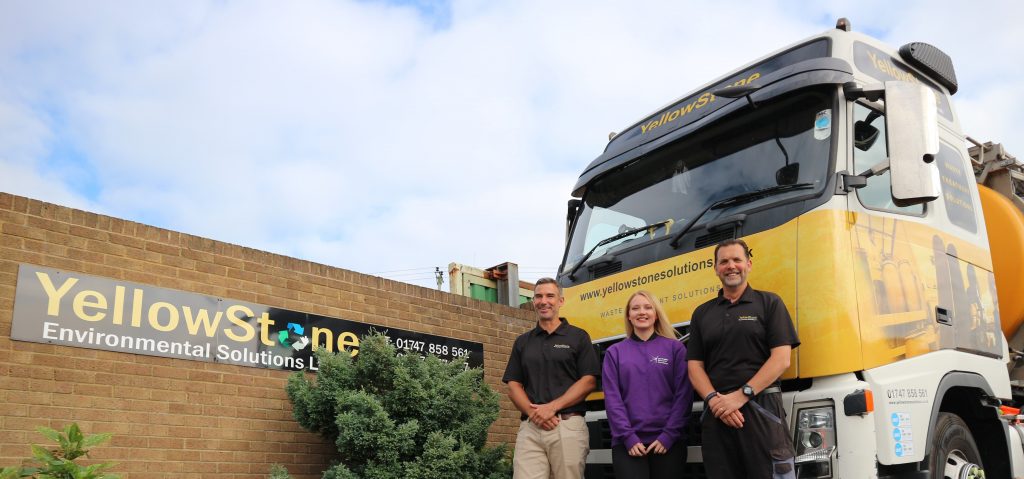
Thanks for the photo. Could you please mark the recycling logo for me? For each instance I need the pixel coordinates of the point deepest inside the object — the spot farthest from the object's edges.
(285, 337)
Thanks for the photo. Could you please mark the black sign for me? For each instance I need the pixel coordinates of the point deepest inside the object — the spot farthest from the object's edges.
(699, 105)
(880, 65)
(73, 309)
(957, 189)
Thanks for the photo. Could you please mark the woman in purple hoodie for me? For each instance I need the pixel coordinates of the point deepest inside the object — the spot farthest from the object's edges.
(647, 394)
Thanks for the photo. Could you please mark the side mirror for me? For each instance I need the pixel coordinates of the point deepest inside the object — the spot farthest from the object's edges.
(574, 206)
(864, 134)
(912, 131)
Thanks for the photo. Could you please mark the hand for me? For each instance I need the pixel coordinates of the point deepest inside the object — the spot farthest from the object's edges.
(733, 420)
(550, 424)
(638, 450)
(541, 414)
(656, 447)
(726, 404)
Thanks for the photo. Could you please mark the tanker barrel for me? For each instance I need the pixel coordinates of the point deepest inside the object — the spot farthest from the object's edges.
(1001, 188)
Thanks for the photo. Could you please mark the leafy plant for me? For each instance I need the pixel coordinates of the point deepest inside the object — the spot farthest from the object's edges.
(278, 471)
(400, 416)
(60, 463)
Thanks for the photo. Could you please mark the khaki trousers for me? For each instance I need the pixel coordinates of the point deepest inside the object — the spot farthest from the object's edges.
(557, 454)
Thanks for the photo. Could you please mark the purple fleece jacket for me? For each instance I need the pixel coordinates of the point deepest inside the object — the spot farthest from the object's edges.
(647, 393)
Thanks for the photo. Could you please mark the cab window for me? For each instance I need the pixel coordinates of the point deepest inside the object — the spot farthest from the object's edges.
(869, 149)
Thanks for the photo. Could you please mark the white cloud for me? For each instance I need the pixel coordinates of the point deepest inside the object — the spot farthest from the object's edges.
(23, 144)
(23, 135)
(361, 135)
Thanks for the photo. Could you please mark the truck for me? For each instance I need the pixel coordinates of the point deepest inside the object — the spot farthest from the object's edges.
(884, 228)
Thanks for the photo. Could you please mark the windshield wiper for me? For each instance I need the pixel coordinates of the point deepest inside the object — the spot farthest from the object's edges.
(737, 200)
(610, 239)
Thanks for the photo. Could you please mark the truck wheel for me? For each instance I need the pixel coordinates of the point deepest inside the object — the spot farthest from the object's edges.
(954, 453)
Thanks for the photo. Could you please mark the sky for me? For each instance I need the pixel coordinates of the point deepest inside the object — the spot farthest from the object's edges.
(396, 137)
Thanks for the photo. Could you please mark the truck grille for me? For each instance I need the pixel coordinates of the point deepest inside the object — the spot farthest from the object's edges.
(714, 238)
(604, 269)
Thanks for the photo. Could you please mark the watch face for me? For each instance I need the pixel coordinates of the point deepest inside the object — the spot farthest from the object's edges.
(749, 391)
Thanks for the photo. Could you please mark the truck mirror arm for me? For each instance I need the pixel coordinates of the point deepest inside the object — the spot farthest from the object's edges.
(854, 92)
(848, 182)
(876, 170)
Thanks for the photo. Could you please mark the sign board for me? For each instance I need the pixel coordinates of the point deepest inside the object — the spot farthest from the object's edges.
(73, 309)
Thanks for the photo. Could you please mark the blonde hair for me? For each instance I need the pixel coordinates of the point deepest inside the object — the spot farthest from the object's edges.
(662, 327)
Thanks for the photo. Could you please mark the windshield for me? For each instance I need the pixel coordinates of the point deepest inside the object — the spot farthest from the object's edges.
(784, 142)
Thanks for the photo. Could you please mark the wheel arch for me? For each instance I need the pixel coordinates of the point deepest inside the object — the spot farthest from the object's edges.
(962, 393)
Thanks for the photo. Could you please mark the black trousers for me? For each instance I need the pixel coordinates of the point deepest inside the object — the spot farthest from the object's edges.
(761, 449)
(652, 466)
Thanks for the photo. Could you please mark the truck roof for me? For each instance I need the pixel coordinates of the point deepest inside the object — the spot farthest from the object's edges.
(848, 54)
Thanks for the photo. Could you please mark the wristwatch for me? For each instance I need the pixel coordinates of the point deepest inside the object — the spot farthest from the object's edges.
(748, 391)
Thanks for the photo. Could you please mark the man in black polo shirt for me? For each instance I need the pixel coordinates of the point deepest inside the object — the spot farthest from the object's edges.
(740, 343)
(550, 371)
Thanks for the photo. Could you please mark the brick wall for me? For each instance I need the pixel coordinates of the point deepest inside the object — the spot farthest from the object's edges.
(179, 418)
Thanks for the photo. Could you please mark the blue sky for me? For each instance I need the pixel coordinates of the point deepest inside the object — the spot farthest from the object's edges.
(398, 137)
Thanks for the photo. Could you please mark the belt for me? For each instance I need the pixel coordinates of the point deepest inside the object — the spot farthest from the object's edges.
(561, 415)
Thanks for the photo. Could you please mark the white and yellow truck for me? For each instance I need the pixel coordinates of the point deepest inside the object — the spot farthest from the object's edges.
(885, 229)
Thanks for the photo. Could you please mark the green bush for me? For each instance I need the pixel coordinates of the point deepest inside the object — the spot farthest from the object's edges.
(278, 471)
(60, 463)
(400, 416)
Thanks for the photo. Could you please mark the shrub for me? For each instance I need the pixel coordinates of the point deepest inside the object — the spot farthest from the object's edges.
(278, 471)
(400, 416)
(60, 463)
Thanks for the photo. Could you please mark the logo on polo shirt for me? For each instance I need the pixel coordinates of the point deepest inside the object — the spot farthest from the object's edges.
(659, 360)
(747, 318)
(562, 346)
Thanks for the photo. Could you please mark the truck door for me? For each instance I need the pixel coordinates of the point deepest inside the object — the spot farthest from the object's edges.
(969, 295)
(900, 278)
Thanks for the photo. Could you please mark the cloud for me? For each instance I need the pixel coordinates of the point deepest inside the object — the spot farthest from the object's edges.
(383, 136)
(24, 137)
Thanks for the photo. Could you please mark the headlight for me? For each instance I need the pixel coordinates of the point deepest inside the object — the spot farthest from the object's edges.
(815, 440)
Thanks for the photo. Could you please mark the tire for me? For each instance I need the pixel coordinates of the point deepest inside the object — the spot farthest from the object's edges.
(954, 452)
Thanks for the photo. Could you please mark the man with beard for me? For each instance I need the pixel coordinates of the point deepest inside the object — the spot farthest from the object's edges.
(740, 343)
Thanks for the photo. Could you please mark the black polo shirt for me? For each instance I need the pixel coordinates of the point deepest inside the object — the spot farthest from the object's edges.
(548, 364)
(735, 339)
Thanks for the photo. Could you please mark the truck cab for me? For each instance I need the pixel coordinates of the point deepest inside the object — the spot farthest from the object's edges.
(841, 162)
